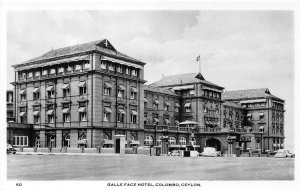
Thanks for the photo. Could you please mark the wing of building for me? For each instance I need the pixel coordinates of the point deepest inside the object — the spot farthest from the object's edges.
(87, 94)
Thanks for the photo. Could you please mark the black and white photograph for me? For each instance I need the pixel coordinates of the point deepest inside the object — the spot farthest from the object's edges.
(128, 98)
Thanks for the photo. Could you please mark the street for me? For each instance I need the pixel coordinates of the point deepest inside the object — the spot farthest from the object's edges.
(142, 167)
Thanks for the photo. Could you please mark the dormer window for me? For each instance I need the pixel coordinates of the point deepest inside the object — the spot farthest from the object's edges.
(52, 71)
(86, 65)
(119, 69)
(61, 70)
(78, 66)
(30, 75)
(127, 71)
(133, 72)
(37, 74)
(23, 75)
(103, 65)
(111, 67)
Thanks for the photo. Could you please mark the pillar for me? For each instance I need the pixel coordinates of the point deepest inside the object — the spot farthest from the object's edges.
(58, 138)
(42, 139)
(74, 138)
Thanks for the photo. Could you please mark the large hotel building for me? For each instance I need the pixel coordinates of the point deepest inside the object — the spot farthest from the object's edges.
(88, 93)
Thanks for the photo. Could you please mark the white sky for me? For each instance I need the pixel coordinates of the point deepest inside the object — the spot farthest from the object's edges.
(239, 49)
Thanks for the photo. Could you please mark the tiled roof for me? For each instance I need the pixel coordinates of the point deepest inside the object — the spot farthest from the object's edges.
(232, 104)
(80, 48)
(160, 90)
(248, 94)
(182, 79)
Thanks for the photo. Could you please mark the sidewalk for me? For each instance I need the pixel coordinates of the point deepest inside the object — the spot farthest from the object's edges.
(78, 154)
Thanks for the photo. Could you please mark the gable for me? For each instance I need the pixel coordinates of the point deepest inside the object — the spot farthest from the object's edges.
(106, 44)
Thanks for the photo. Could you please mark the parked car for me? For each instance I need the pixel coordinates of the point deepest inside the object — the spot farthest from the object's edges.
(174, 153)
(10, 149)
(284, 153)
(210, 152)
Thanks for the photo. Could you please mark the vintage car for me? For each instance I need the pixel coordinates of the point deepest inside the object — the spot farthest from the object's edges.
(283, 153)
(210, 152)
(10, 149)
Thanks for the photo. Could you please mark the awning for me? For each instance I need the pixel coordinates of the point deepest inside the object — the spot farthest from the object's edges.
(22, 92)
(107, 110)
(156, 120)
(261, 114)
(155, 101)
(107, 85)
(35, 90)
(105, 58)
(145, 100)
(249, 115)
(167, 121)
(134, 142)
(185, 87)
(82, 84)
(261, 127)
(121, 111)
(187, 105)
(108, 142)
(133, 89)
(82, 109)
(121, 87)
(133, 112)
(167, 103)
(66, 110)
(177, 105)
(212, 89)
(21, 114)
(35, 113)
(65, 86)
(50, 112)
(253, 101)
(187, 122)
(50, 63)
(50, 88)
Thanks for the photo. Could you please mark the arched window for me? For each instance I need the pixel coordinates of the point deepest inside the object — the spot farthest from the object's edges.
(148, 140)
(172, 140)
(182, 141)
(67, 141)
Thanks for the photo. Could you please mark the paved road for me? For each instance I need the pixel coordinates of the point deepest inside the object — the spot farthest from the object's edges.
(141, 167)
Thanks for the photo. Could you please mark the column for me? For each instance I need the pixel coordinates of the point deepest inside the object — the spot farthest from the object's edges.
(58, 138)
(42, 139)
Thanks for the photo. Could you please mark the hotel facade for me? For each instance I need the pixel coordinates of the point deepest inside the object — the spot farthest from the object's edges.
(86, 94)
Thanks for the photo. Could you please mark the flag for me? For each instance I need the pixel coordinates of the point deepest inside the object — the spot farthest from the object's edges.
(198, 58)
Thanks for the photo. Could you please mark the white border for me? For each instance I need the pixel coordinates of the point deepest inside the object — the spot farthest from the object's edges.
(145, 5)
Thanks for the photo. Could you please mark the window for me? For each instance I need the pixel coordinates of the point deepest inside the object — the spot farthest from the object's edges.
(111, 67)
(23, 76)
(66, 142)
(23, 97)
(237, 116)
(20, 140)
(121, 91)
(50, 91)
(230, 116)
(167, 121)
(36, 93)
(82, 88)
(78, 66)
(133, 93)
(60, 69)
(86, 65)
(127, 71)
(107, 88)
(66, 92)
(217, 109)
(172, 140)
(66, 117)
(37, 142)
(133, 116)
(50, 118)
(36, 119)
(69, 68)
(182, 141)
(155, 106)
(148, 141)
(166, 107)
(82, 116)
(121, 115)
(30, 75)
(205, 109)
(192, 92)
(187, 107)
(133, 72)
(103, 65)
(107, 112)
(119, 69)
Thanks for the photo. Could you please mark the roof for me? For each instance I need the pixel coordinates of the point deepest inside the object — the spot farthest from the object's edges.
(104, 46)
(182, 79)
(232, 104)
(160, 90)
(249, 94)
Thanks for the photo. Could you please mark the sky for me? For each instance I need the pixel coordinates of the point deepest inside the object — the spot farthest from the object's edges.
(238, 49)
